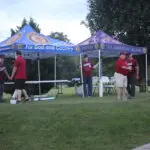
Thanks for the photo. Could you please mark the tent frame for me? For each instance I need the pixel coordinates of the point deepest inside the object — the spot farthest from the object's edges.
(39, 76)
(146, 73)
(100, 69)
(81, 72)
(59, 49)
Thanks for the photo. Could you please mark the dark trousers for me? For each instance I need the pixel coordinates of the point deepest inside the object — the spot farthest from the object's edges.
(87, 81)
(131, 86)
(1, 91)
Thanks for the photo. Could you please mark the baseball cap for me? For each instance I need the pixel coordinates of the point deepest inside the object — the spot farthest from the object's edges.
(85, 56)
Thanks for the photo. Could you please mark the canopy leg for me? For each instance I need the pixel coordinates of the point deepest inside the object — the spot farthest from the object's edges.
(39, 75)
(55, 71)
(146, 73)
(81, 75)
(100, 83)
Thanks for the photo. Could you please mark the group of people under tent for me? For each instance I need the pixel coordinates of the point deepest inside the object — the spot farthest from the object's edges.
(126, 74)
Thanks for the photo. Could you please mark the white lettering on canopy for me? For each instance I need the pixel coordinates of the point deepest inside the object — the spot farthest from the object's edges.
(39, 47)
(29, 47)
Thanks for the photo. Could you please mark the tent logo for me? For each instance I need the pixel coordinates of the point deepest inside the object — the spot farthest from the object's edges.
(78, 49)
(20, 46)
(14, 39)
(38, 39)
(17, 46)
(96, 46)
(12, 46)
(102, 46)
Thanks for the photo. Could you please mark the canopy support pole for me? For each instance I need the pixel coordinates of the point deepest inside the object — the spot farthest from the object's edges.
(39, 74)
(146, 73)
(81, 75)
(55, 71)
(100, 83)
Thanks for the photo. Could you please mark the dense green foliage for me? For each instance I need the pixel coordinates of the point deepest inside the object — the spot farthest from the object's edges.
(126, 20)
(71, 123)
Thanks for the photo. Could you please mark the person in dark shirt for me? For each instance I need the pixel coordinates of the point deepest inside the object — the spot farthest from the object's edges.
(133, 75)
(3, 73)
(87, 68)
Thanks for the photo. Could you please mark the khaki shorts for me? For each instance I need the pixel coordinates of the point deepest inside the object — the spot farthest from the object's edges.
(121, 80)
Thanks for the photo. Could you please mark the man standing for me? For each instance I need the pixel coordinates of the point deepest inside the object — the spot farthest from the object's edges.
(132, 75)
(19, 75)
(87, 68)
(3, 73)
(121, 73)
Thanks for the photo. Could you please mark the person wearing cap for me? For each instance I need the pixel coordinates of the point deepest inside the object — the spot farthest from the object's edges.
(121, 73)
(133, 75)
(3, 73)
(19, 75)
(87, 68)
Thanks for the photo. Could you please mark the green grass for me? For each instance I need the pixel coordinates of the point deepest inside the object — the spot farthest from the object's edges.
(71, 123)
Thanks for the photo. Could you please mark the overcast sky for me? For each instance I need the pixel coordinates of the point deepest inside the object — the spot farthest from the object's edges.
(52, 15)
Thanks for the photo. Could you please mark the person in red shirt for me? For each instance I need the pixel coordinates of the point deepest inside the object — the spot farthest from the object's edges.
(19, 75)
(121, 73)
(3, 73)
(87, 68)
(133, 75)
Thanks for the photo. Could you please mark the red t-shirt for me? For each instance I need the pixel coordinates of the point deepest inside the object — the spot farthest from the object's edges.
(20, 63)
(133, 64)
(87, 68)
(119, 64)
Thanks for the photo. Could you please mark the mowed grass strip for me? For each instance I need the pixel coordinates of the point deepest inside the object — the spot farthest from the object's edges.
(76, 124)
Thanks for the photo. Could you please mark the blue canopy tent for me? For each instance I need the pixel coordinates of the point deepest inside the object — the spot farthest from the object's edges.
(36, 46)
(103, 45)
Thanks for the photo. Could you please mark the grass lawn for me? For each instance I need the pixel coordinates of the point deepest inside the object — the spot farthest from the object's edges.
(71, 123)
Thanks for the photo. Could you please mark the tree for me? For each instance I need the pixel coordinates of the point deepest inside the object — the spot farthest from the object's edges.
(66, 66)
(31, 22)
(60, 36)
(127, 20)
(14, 31)
(34, 25)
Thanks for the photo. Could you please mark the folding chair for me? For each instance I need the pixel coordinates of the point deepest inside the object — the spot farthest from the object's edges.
(110, 86)
(104, 80)
(95, 81)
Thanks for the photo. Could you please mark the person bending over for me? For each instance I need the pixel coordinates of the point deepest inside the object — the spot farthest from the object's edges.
(133, 75)
(3, 73)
